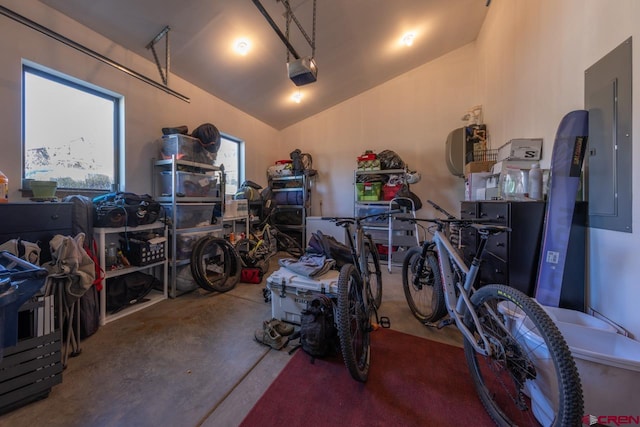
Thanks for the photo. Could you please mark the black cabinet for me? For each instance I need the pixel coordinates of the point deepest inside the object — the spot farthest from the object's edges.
(513, 258)
(29, 369)
(35, 222)
(510, 258)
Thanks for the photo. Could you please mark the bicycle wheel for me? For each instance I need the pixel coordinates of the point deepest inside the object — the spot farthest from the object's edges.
(215, 265)
(288, 244)
(531, 376)
(423, 287)
(373, 271)
(354, 323)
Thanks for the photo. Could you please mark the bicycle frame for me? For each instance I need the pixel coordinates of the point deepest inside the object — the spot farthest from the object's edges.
(356, 245)
(447, 252)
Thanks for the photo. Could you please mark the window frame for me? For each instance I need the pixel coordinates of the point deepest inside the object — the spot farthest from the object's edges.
(29, 67)
(241, 159)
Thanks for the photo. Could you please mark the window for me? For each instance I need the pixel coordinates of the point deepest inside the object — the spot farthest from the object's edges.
(71, 131)
(231, 155)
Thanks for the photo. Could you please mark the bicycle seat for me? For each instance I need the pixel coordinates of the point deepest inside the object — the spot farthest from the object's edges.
(490, 228)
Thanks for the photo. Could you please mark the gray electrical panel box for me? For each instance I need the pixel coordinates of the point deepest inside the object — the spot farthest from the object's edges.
(608, 166)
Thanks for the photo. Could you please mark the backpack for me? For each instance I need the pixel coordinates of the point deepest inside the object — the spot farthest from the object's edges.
(82, 222)
(330, 247)
(318, 333)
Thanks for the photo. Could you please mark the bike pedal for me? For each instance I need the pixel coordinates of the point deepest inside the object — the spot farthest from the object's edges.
(385, 322)
(445, 322)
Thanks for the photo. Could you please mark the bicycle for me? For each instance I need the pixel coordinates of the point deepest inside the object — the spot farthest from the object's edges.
(521, 366)
(267, 240)
(358, 299)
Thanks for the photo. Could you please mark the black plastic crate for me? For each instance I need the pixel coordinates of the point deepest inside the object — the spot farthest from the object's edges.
(142, 252)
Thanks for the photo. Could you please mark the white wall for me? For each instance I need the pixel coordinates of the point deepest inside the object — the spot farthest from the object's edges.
(147, 109)
(411, 115)
(532, 56)
(527, 70)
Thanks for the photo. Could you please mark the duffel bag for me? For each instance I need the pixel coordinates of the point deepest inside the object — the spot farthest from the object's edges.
(129, 289)
(119, 209)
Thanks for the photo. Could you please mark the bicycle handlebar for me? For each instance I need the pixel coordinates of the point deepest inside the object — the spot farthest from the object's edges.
(344, 220)
(439, 209)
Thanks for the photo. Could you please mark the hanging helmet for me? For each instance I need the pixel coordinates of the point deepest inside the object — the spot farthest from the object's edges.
(412, 177)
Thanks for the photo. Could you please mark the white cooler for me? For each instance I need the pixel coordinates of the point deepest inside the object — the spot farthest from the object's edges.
(291, 291)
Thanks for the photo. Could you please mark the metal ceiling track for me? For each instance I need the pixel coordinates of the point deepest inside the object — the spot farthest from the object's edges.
(92, 53)
(290, 16)
(275, 27)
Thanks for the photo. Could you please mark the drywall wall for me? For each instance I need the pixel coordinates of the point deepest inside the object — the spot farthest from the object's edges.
(147, 109)
(527, 70)
(411, 115)
(532, 58)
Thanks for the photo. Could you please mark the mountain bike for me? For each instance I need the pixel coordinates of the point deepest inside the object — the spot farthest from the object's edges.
(263, 243)
(521, 366)
(359, 296)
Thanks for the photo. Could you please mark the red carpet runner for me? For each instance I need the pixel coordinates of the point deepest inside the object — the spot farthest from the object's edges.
(412, 382)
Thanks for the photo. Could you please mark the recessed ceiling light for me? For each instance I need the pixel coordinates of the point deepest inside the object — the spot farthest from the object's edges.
(408, 38)
(297, 97)
(242, 46)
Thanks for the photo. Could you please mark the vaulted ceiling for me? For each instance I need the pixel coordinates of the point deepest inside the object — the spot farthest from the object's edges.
(357, 44)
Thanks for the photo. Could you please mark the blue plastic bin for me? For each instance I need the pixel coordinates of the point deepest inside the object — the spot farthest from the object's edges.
(19, 281)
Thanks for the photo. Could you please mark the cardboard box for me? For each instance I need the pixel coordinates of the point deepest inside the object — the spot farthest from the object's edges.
(521, 149)
(473, 167)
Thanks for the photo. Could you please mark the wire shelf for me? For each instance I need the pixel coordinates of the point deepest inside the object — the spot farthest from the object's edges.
(485, 155)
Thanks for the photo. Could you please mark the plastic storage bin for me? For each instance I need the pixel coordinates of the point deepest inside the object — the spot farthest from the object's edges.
(19, 281)
(191, 215)
(185, 147)
(290, 292)
(608, 364)
(144, 252)
(575, 317)
(368, 191)
(186, 241)
(189, 184)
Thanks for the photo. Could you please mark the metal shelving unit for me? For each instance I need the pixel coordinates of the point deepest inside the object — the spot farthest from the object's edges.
(386, 232)
(192, 213)
(295, 190)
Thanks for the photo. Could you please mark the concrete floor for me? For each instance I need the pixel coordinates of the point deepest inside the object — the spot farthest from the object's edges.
(189, 361)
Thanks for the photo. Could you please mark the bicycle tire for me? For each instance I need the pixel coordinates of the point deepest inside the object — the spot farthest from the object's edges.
(531, 359)
(288, 244)
(235, 271)
(425, 298)
(194, 259)
(215, 265)
(354, 323)
(373, 268)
